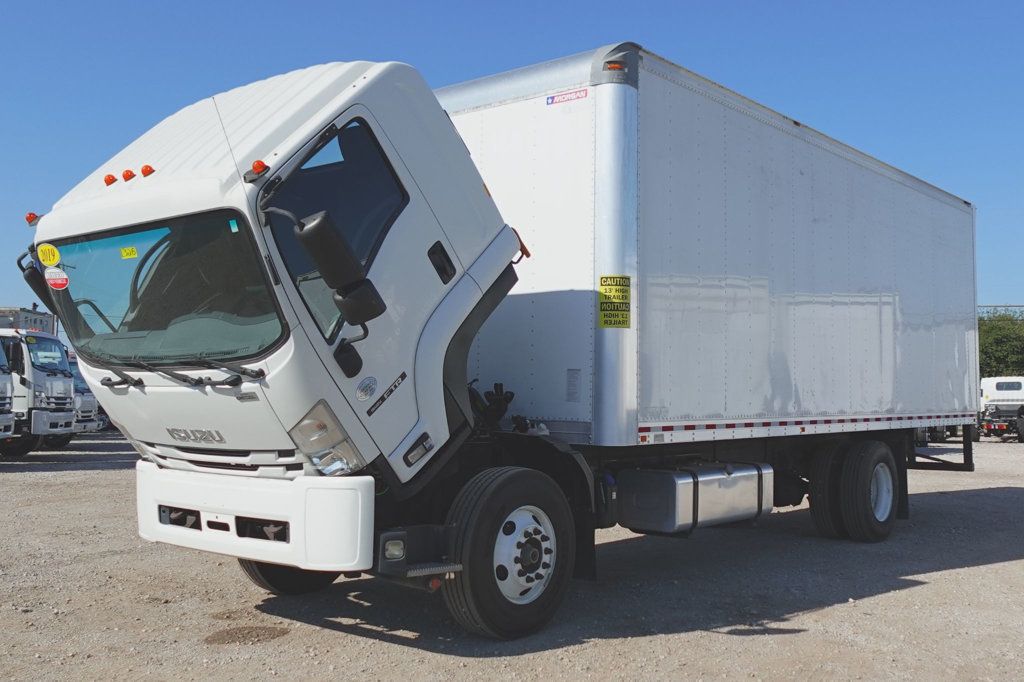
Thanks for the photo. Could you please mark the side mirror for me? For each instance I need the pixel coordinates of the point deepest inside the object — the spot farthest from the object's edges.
(356, 297)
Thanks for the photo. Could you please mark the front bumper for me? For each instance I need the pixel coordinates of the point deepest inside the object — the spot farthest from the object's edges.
(330, 519)
(87, 426)
(45, 423)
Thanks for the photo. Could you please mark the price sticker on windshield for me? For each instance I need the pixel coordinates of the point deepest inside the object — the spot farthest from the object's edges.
(48, 254)
(56, 278)
(129, 252)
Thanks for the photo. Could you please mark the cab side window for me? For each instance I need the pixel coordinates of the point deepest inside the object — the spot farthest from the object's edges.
(351, 179)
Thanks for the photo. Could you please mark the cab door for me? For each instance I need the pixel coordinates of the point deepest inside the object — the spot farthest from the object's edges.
(354, 174)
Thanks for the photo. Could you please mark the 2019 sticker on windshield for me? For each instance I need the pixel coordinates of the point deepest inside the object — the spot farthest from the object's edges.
(48, 254)
(56, 278)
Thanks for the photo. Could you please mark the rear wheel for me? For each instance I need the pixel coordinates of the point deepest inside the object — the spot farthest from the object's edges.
(869, 490)
(516, 542)
(286, 579)
(18, 446)
(57, 442)
(826, 470)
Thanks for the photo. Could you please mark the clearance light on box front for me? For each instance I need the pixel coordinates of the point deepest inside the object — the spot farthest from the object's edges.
(321, 437)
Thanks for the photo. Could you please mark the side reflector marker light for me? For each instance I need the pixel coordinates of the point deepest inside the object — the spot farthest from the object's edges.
(31, 218)
(259, 167)
(128, 174)
(109, 179)
(147, 170)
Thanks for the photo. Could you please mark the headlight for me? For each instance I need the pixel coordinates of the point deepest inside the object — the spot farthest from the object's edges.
(320, 437)
(39, 399)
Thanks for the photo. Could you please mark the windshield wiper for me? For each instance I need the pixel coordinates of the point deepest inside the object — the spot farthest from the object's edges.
(177, 376)
(185, 379)
(122, 378)
(229, 366)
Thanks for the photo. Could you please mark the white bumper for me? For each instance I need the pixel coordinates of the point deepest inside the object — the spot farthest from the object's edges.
(330, 518)
(87, 426)
(52, 423)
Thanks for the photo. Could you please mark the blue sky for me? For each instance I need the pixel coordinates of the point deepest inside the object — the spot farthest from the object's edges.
(934, 88)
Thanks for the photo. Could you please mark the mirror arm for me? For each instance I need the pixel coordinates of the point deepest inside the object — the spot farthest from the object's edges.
(287, 214)
(366, 332)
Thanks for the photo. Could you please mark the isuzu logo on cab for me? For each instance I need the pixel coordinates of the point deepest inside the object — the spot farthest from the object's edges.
(196, 435)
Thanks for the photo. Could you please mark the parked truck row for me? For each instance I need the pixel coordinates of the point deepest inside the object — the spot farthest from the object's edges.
(302, 302)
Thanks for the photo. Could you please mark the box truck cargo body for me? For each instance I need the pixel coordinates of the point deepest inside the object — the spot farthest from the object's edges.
(771, 280)
(303, 303)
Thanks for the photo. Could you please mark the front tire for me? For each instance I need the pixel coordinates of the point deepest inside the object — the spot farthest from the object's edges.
(869, 491)
(57, 442)
(286, 579)
(18, 446)
(516, 542)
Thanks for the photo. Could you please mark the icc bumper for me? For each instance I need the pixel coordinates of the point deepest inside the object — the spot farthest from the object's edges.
(45, 423)
(314, 522)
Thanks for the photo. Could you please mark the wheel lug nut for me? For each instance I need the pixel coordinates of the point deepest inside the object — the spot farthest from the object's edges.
(529, 579)
(545, 565)
(547, 550)
(520, 573)
(544, 538)
(536, 531)
(538, 576)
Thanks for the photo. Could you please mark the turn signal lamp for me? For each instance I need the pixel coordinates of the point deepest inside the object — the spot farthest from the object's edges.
(128, 174)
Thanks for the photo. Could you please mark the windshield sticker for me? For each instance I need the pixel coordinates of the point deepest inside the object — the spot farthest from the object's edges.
(48, 254)
(30, 339)
(129, 252)
(56, 278)
(233, 224)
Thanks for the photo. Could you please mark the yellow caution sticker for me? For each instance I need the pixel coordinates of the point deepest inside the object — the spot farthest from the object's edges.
(30, 339)
(129, 252)
(613, 302)
(48, 254)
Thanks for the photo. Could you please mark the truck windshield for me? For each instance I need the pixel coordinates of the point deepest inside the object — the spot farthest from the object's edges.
(47, 354)
(5, 366)
(80, 385)
(171, 291)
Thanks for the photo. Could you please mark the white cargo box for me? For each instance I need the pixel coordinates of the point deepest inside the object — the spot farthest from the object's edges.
(705, 268)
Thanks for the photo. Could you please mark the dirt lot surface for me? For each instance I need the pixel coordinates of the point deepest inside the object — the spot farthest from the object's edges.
(82, 596)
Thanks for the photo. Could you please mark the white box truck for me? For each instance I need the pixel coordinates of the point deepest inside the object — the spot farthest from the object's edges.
(299, 301)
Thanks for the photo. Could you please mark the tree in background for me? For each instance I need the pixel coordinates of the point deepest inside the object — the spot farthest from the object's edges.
(1001, 342)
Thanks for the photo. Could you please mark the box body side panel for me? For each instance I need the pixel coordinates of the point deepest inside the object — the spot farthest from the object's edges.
(536, 156)
(782, 277)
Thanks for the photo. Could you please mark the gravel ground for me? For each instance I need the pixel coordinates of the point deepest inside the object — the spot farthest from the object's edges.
(82, 596)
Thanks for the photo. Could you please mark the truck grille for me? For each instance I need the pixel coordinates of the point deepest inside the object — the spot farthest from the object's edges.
(58, 403)
(260, 463)
(85, 415)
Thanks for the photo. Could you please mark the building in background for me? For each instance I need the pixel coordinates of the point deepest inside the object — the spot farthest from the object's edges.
(32, 319)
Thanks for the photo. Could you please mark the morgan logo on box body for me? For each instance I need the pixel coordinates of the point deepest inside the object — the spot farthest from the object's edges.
(567, 96)
(196, 435)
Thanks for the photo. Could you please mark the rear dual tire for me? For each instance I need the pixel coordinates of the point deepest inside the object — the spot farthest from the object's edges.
(854, 491)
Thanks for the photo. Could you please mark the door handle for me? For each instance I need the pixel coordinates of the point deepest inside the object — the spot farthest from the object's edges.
(442, 262)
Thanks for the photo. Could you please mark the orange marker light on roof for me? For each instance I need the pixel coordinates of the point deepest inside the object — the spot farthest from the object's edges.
(128, 174)
(614, 66)
(147, 170)
(109, 179)
(258, 169)
(31, 218)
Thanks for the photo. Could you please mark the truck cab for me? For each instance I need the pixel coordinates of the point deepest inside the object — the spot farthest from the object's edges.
(1002, 403)
(43, 395)
(87, 416)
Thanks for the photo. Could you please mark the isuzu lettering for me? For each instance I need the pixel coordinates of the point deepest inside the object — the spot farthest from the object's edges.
(303, 303)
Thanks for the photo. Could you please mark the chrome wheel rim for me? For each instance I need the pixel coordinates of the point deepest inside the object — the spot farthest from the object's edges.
(524, 554)
(881, 491)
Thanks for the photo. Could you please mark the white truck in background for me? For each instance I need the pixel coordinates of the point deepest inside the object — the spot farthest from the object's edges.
(282, 293)
(43, 391)
(6, 397)
(87, 410)
(1002, 407)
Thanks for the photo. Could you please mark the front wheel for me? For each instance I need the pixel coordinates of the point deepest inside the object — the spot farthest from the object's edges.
(516, 542)
(18, 446)
(286, 579)
(57, 442)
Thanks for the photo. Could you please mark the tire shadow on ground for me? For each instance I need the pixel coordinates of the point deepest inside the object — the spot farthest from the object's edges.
(736, 581)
